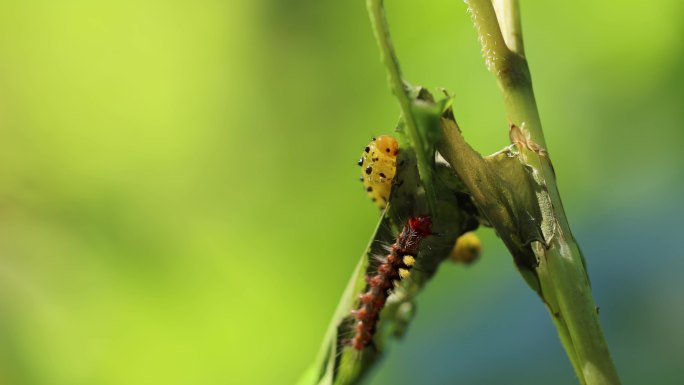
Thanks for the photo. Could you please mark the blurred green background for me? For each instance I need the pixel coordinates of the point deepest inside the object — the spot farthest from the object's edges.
(179, 200)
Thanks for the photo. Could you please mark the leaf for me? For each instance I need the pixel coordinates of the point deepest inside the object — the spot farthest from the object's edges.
(338, 363)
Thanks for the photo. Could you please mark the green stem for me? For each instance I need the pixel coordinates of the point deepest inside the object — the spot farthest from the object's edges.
(381, 30)
(508, 14)
(565, 286)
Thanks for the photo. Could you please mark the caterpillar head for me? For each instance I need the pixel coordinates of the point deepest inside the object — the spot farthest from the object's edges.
(387, 145)
(421, 224)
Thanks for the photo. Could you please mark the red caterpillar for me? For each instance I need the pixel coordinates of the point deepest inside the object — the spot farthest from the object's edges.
(395, 266)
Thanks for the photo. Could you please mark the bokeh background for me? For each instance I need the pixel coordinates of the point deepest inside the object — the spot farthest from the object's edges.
(179, 200)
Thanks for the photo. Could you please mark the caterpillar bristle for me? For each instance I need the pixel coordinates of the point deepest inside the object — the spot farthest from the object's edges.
(377, 258)
(387, 248)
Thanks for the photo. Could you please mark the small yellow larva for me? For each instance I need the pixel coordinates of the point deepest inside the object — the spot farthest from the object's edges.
(467, 248)
(378, 167)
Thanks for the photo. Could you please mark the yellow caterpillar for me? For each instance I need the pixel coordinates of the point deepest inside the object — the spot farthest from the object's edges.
(378, 167)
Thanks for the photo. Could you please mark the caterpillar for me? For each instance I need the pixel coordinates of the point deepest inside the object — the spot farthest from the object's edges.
(378, 166)
(393, 268)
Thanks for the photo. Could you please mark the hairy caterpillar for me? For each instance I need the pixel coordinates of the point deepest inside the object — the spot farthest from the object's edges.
(378, 167)
(394, 267)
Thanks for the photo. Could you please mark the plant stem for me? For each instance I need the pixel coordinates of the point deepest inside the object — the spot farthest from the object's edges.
(565, 286)
(381, 30)
(508, 14)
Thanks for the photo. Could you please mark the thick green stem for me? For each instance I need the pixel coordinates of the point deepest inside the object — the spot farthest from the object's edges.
(508, 14)
(396, 82)
(565, 286)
